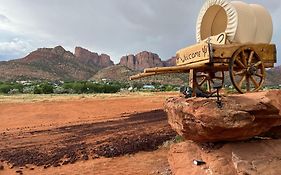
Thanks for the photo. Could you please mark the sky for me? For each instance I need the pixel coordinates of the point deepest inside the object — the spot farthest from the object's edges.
(114, 27)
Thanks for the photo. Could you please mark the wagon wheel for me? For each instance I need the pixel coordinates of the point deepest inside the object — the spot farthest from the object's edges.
(206, 80)
(246, 70)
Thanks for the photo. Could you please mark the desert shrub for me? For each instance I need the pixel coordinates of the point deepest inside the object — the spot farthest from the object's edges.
(37, 90)
(43, 88)
(47, 88)
(5, 88)
(89, 87)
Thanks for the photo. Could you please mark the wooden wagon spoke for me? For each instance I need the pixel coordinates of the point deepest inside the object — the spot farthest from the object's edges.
(244, 57)
(209, 86)
(251, 57)
(254, 81)
(259, 75)
(240, 63)
(258, 63)
(241, 81)
(202, 81)
(240, 73)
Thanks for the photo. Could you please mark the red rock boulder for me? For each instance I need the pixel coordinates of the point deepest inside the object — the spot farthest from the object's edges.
(242, 116)
(251, 157)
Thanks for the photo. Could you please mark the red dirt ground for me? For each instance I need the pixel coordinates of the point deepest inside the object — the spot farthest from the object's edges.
(98, 135)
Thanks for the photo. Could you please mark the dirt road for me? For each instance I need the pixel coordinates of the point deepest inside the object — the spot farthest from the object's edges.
(48, 135)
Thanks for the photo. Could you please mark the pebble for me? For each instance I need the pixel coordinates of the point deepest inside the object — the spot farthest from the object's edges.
(19, 172)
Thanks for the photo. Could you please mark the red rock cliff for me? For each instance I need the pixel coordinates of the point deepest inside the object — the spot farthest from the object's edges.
(89, 57)
(141, 61)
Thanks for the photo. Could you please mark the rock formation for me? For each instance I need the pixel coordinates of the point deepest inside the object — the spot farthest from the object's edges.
(170, 62)
(207, 131)
(237, 158)
(141, 61)
(48, 53)
(47, 64)
(89, 57)
(242, 116)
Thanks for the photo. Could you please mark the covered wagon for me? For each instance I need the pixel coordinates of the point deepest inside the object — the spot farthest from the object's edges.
(232, 36)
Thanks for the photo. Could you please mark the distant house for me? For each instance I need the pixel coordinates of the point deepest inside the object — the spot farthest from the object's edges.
(148, 87)
(24, 82)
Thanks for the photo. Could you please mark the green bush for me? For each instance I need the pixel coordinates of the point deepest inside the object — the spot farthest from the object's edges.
(43, 88)
(46, 88)
(5, 88)
(88, 87)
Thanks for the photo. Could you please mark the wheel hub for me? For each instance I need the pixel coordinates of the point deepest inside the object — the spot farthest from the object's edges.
(251, 70)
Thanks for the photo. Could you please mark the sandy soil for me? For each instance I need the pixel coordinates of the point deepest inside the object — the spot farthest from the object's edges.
(119, 134)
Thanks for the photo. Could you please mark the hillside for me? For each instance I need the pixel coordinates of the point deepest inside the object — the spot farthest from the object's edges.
(274, 76)
(115, 73)
(122, 73)
(48, 64)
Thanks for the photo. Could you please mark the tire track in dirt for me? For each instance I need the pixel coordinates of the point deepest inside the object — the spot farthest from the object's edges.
(67, 144)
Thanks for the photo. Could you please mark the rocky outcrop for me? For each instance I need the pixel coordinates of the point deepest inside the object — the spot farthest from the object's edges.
(47, 64)
(48, 53)
(141, 61)
(170, 62)
(261, 156)
(242, 116)
(88, 57)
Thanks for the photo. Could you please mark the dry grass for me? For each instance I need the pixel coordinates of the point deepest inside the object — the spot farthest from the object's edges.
(29, 98)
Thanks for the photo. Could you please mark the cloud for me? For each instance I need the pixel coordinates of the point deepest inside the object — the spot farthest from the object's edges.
(116, 27)
(14, 48)
(4, 19)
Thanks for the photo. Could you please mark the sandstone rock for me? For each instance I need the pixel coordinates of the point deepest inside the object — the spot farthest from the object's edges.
(242, 116)
(48, 53)
(141, 61)
(170, 62)
(129, 61)
(252, 157)
(89, 57)
(48, 64)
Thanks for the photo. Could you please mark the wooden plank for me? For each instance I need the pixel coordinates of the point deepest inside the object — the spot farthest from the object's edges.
(268, 65)
(187, 67)
(267, 52)
(193, 54)
(142, 75)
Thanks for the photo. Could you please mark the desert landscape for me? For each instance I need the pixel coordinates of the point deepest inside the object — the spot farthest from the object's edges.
(140, 87)
(140, 133)
(102, 134)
